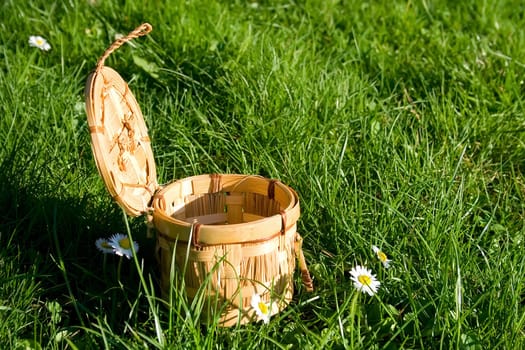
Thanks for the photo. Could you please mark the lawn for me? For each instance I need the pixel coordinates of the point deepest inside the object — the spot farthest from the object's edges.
(399, 123)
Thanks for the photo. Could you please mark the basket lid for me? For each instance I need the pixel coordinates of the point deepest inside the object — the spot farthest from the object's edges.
(119, 136)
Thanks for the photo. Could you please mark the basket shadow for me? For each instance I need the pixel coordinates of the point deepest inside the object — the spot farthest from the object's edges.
(52, 236)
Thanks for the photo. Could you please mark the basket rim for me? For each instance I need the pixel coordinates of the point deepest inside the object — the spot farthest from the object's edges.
(255, 231)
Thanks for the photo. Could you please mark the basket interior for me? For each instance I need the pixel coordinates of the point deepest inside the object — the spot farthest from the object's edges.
(237, 199)
(225, 208)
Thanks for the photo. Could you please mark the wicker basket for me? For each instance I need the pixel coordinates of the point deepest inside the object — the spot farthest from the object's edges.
(230, 235)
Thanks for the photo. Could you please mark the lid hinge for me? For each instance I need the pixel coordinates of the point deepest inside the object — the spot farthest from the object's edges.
(149, 214)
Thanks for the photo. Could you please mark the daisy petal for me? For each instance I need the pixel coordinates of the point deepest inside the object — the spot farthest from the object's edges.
(364, 280)
(39, 42)
(122, 245)
(382, 256)
(104, 246)
(261, 308)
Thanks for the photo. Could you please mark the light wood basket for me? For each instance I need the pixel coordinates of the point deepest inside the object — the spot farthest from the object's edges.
(230, 235)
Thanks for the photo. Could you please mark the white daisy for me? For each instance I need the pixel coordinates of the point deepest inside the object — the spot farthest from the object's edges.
(104, 246)
(261, 308)
(38, 41)
(364, 281)
(122, 245)
(382, 256)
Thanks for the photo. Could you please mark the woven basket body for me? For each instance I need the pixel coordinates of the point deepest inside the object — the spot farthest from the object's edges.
(241, 233)
(229, 236)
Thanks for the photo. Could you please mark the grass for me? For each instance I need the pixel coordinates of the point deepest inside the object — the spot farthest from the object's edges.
(399, 124)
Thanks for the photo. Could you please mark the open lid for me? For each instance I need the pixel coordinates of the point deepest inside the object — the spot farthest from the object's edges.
(119, 136)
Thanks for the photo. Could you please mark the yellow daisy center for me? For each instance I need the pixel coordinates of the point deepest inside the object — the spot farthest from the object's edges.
(125, 243)
(263, 307)
(39, 42)
(382, 256)
(364, 280)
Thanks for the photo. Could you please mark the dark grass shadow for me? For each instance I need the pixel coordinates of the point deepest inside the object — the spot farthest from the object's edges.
(52, 237)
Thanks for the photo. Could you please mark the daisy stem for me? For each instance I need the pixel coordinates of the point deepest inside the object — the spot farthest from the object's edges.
(119, 267)
(105, 259)
(62, 266)
(149, 296)
(353, 314)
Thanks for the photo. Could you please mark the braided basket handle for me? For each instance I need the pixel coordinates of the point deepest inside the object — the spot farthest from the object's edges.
(141, 30)
(305, 274)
